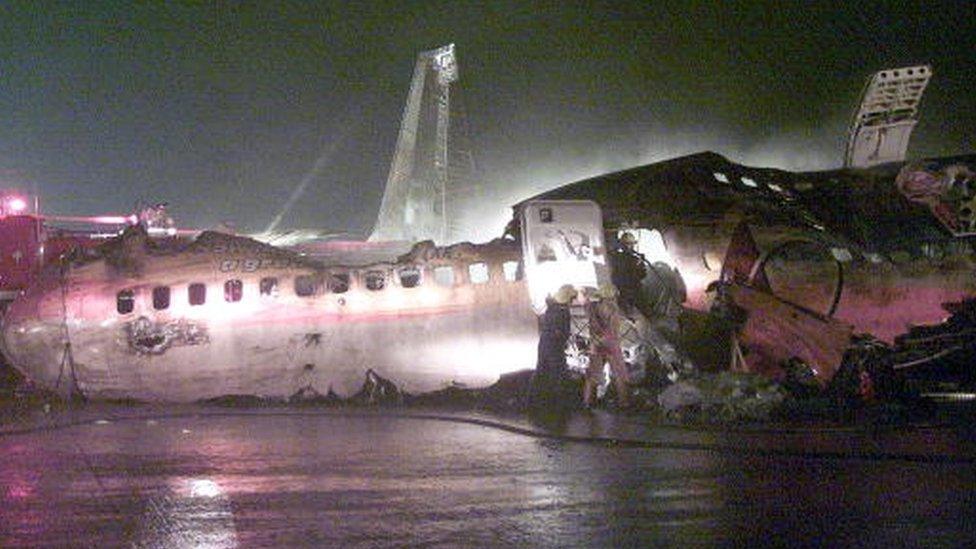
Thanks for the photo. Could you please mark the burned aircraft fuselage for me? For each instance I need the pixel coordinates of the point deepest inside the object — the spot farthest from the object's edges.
(228, 315)
(843, 252)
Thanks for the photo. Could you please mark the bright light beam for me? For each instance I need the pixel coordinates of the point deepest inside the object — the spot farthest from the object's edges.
(327, 153)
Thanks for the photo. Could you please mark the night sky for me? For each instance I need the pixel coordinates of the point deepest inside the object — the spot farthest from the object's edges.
(221, 109)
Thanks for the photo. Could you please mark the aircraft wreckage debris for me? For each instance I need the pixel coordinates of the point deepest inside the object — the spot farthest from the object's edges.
(785, 330)
(698, 399)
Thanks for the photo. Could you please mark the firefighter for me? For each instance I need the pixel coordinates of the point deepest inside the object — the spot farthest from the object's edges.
(554, 329)
(604, 320)
(628, 269)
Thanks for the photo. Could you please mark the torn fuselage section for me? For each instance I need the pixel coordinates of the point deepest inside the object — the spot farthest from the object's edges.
(782, 269)
(227, 315)
(568, 246)
(948, 189)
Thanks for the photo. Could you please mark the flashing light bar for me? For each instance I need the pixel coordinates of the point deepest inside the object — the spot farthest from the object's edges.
(97, 219)
(17, 204)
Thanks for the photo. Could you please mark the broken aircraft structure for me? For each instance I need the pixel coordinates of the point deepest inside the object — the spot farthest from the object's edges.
(808, 260)
(283, 322)
(805, 260)
(226, 315)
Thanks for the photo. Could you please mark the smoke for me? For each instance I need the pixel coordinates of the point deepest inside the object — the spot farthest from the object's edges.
(798, 150)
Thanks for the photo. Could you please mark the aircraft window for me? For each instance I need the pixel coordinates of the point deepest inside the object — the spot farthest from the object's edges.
(375, 280)
(409, 277)
(306, 285)
(512, 271)
(197, 293)
(233, 290)
(160, 297)
(749, 182)
(269, 286)
(478, 273)
(339, 283)
(719, 176)
(444, 276)
(125, 301)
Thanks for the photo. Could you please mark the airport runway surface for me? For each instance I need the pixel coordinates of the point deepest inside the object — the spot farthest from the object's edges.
(225, 478)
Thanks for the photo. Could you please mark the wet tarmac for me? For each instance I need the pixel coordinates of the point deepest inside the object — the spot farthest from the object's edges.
(212, 477)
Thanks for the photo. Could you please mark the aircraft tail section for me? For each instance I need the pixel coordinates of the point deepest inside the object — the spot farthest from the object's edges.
(432, 166)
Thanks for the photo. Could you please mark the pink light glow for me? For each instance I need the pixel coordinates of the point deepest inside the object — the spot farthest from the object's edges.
(17, 204)
(110, 219)
(20, 490)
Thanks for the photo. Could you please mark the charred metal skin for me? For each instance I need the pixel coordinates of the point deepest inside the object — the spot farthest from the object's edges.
(227, 315)
(903, 232)
(154, 338)
(879, 250)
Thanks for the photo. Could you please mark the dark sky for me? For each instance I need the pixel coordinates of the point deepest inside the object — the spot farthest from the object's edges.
(221, 109)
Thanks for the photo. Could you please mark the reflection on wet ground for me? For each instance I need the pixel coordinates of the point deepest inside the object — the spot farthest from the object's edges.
(200, 477)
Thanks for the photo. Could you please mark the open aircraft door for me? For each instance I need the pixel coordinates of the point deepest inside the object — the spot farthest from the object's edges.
(562, 243)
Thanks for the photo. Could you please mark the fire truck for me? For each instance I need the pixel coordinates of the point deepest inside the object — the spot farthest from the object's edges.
(29, 240)
(22, 243)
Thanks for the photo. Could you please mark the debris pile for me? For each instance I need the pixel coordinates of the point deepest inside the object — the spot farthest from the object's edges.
(945, 352)
(723, 397)
(377, 390)
(941, 355)
(865, 374)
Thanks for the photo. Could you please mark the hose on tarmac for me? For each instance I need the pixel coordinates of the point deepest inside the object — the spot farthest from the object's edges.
(614, 442)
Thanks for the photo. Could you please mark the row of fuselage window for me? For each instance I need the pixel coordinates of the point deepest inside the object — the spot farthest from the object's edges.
(311, 285)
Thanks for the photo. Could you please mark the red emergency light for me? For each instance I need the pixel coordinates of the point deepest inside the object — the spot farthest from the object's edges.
(16, 204)
(12, 204)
